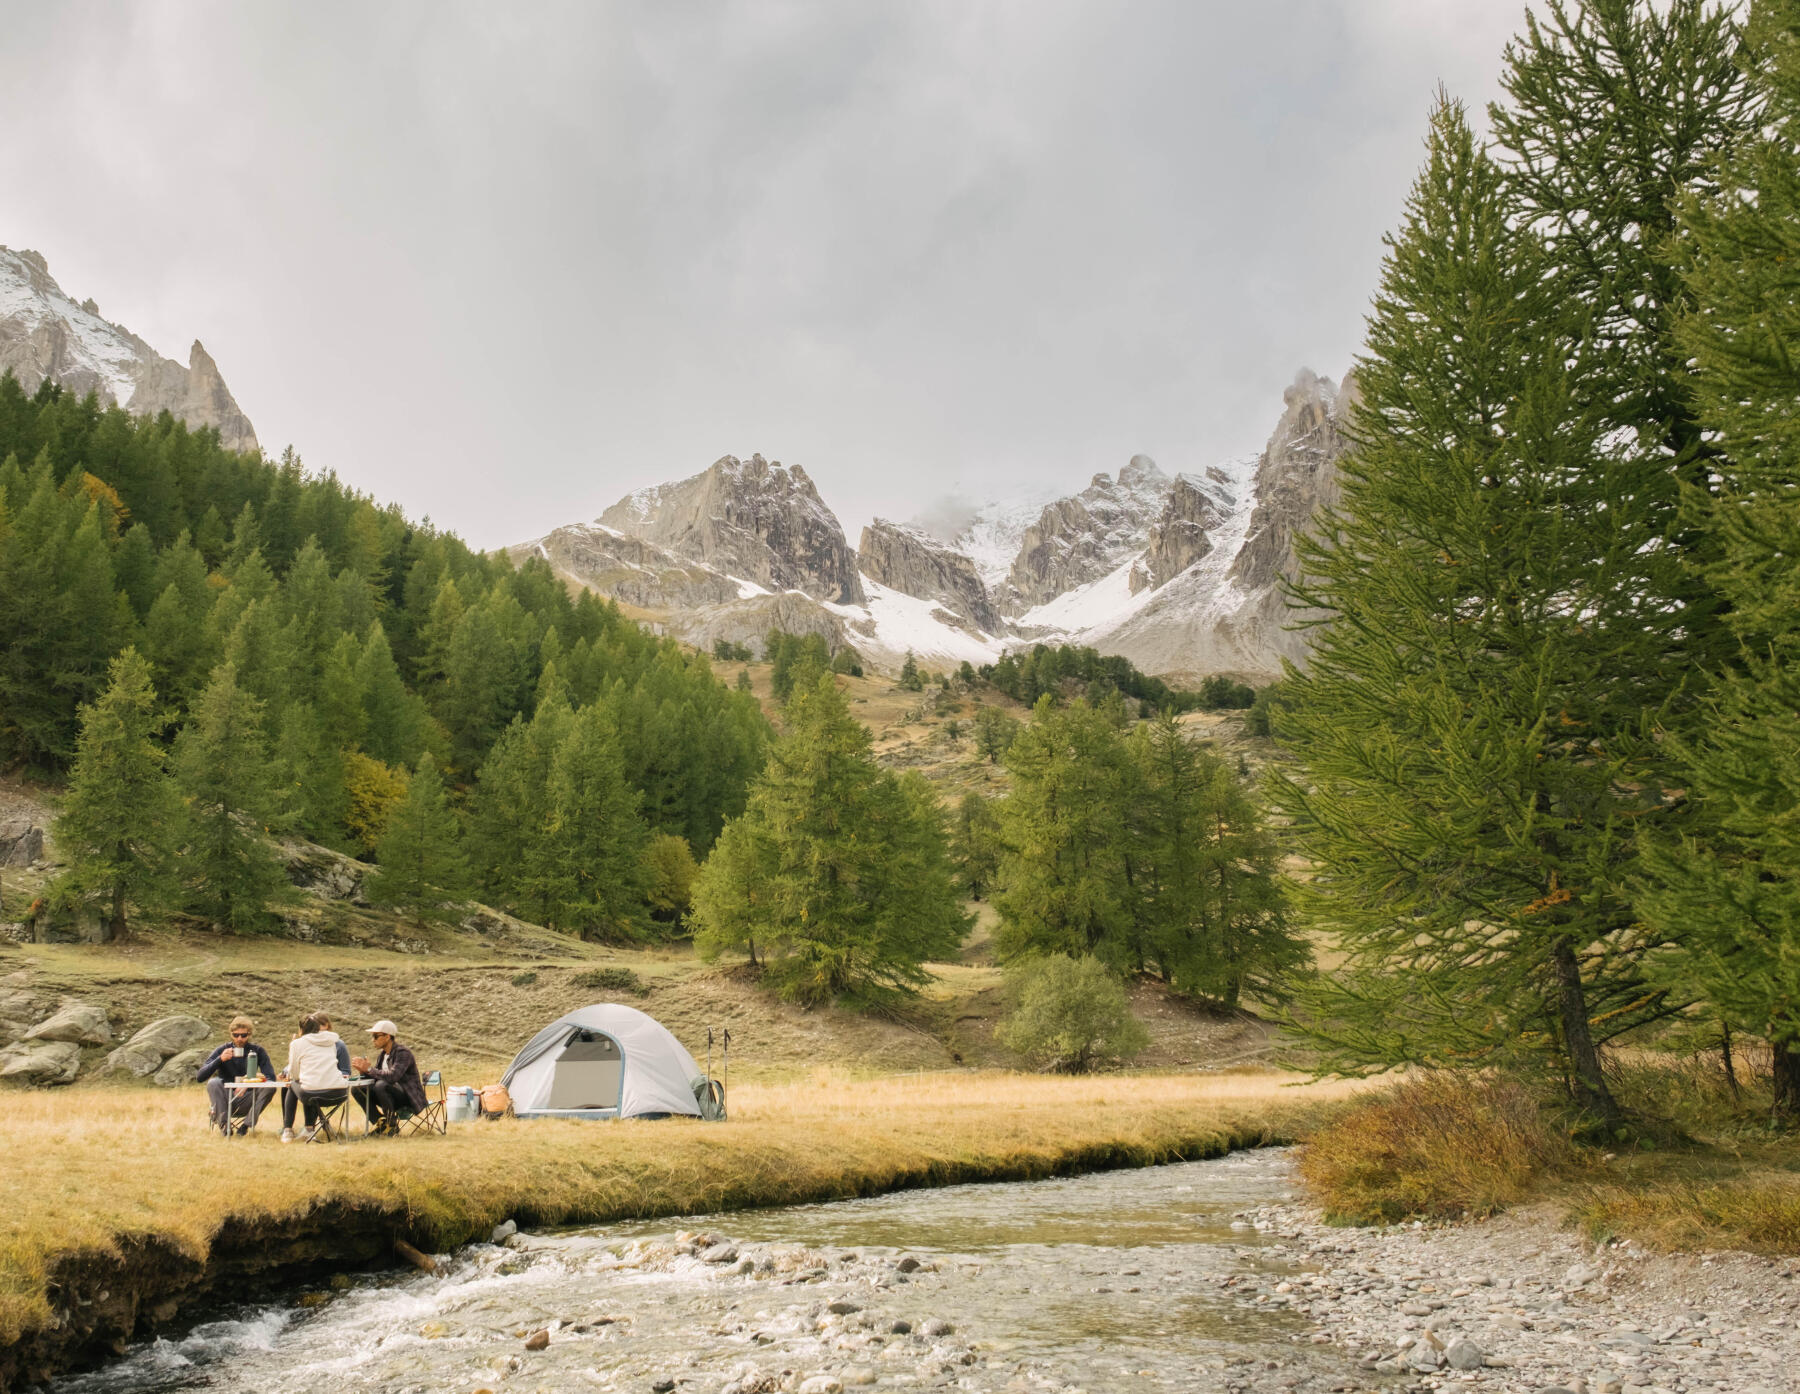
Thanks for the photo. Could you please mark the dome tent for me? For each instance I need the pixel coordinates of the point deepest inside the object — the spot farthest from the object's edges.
(604, 1061)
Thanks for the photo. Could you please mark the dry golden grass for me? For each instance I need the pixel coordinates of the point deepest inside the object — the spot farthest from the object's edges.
(1438, 1146)
(92, 1170)
(1755, 1208)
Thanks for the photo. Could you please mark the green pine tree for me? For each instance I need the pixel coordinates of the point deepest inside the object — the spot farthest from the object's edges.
(1731, 892)
(231, 873)
(584, 866)
(1473, 735)
(422, 868)
(1206, 884)
(838, 871)
(120, 825)
(911, 679)
(1066, 859)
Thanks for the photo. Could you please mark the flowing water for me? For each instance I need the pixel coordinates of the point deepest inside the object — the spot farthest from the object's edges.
(1099, 1283)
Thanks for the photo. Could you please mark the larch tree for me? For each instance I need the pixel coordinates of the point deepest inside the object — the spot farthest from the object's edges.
(422, 867)
(230, 872)
(837, 871)
(121, 823)
(1730, 893)
(1475, 731)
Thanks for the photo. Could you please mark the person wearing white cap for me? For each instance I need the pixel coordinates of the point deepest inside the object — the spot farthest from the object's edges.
(395, 1089)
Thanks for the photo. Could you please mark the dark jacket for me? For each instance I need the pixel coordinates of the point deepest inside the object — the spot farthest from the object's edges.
(398, 1067)
(229, 1070)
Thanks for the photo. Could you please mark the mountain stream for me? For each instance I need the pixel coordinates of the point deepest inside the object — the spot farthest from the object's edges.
(1095, 1283)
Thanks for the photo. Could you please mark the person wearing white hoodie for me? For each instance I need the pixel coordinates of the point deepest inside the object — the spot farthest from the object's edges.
(313, 1075)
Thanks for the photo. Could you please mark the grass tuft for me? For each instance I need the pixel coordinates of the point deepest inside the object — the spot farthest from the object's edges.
(612, 980)
(1435, 1146)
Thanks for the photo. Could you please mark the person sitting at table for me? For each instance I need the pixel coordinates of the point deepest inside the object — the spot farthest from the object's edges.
(394, 1084)
(237, 1058)
(313, 1077)
(343, 1051)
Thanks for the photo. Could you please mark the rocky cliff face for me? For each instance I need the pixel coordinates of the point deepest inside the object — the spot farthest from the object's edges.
(1227, 613)
(1082, 538)
(1184, 532)
(629, 569)
(1182, 575)
(907, 560)
(753, 519)
(44, 334)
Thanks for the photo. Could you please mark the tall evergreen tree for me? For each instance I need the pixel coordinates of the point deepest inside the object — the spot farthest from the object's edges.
(422, 868)
(584, 868)
(222, 767)
(837, 870)
(1614, 109)
(1066, 857)
(121, 822)
(1731, 893)
(1473, 732)
(1206, 886)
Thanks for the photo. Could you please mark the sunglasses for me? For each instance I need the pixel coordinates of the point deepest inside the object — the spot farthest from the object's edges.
(240, 1035)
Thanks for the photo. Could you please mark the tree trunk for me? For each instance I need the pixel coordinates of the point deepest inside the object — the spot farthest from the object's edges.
(1785, 1060)
(1590, 1089)
(117, 926)
(1730, 1070)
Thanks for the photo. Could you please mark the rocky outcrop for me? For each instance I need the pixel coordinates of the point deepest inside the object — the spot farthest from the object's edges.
(753, 520)
(196, 394)
(41, 1062)
(748, 622)
(179, 1069)
(321, 872)
(906, 559)
(45, 334)
(629, 569)
(21, 843)
(1227, 613)
(1296, 475)
(1180, 537)
(145, 1053)
(80, 1023)
(1082, 538)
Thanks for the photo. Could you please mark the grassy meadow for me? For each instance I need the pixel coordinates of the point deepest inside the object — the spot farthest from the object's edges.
(103, 1166)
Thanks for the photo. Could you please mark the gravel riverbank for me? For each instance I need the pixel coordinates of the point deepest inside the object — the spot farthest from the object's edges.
(1519, 1303)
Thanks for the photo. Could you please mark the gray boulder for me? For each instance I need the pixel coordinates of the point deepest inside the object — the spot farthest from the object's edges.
(83, 1023)
(145, 1052)
(179, 1069)
(71, 924)
(171, 1034)
(41, 1062)
(133, 1060)
(1463, 1354)
(21, 842)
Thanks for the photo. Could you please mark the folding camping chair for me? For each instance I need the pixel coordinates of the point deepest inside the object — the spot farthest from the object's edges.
(334, 1119)
(435, 1116)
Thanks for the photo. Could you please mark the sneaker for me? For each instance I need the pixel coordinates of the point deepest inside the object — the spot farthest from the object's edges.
(287, 1134)
(307, 1135)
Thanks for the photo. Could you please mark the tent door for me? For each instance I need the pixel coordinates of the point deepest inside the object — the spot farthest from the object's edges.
(589, 1073)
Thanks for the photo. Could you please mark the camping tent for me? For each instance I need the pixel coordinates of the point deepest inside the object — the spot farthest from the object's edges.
(604, 1061)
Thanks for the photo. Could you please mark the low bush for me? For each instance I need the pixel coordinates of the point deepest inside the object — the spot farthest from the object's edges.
(1436, 1146)
(612, 980)
(1071, 1015)
(525, 979)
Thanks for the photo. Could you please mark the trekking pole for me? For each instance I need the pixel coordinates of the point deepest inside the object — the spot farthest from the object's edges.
(727, 1060)
(709, 1052)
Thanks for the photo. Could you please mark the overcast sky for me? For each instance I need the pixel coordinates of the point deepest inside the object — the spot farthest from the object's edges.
(504, 263)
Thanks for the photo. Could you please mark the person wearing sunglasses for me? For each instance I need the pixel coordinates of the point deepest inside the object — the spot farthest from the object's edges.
(237, 1058)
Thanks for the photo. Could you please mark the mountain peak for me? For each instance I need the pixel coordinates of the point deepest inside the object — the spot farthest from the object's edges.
(46, 334)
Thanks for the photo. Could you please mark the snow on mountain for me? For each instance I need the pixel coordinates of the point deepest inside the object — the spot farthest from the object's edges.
(1182, 574)
(45, 334)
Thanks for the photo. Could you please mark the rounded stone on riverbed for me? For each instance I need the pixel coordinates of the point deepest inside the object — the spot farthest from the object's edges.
(937, 1326)
(821, 1384)
(503, 1231)
(842, 1308)
(722, 1252)
(538, 1340)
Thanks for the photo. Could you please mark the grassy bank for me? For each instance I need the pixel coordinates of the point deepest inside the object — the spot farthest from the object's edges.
(1700, 1167)
(105, 1174)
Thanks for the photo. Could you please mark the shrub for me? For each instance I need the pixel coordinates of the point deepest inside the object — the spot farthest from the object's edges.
(1437, 1146)
(1071, 1015)
(672, 873)
(612, 980)
(524, 979)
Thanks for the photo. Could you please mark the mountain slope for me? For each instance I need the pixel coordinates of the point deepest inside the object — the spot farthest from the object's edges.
(45, 334)
(1181, 574)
